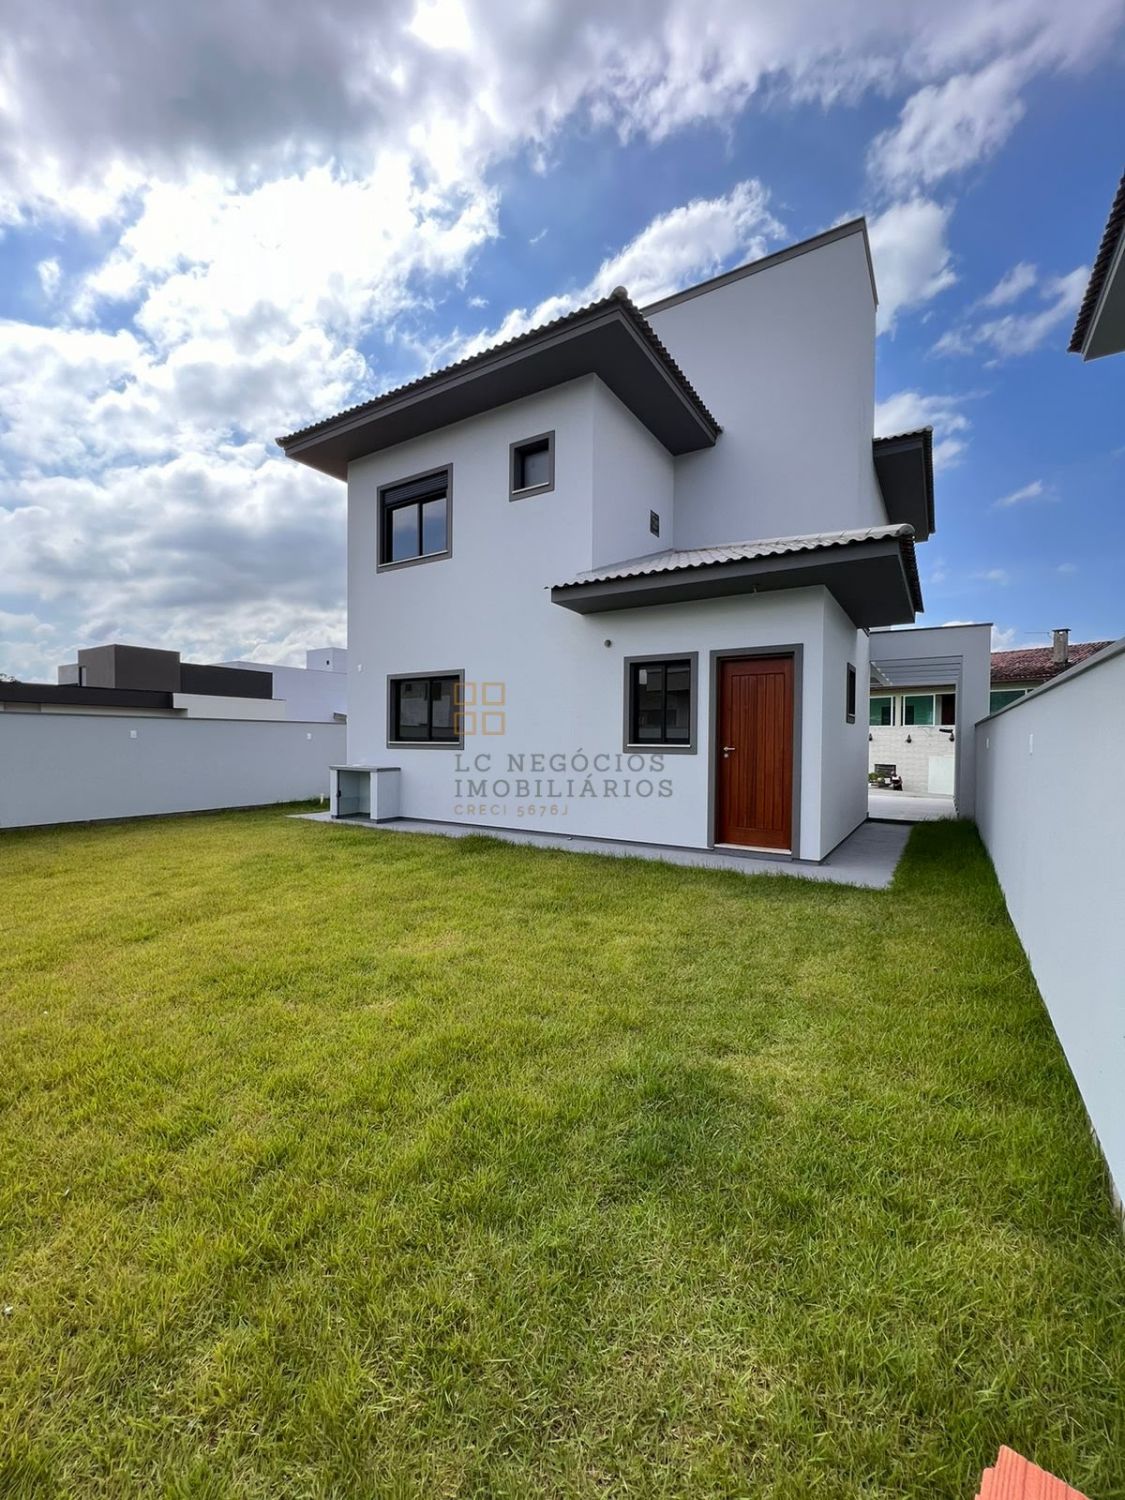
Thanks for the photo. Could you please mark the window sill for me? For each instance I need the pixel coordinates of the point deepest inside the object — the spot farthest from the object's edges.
(412, 562)
(653, 749)
(532, 489)
(426, 744)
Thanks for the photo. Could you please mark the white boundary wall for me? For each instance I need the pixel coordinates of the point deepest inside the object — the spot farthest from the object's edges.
(1051, 813)
(73, 768)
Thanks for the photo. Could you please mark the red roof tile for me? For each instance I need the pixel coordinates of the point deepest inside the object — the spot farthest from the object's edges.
(1034, 664)
(1013, 1478)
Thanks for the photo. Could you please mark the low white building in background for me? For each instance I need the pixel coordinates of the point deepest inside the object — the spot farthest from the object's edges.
(316, 692)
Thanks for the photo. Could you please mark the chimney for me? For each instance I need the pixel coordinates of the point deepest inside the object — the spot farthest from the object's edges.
(1060, 644)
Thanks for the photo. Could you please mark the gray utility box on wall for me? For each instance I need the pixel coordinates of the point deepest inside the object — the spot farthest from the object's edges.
(365, 792)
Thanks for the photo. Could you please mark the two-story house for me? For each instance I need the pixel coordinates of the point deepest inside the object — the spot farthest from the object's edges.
(613, 578)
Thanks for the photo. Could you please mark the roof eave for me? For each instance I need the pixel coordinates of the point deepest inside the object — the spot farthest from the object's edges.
(904, 467)
(1106, 270)
(610, 340)
(876, 583)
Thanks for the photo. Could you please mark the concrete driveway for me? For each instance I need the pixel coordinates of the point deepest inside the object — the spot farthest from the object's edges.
(907, 807)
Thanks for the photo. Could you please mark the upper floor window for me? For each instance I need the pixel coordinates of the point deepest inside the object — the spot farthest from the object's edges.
(532, 465)
(849, 695)
(660, 703)
(414, 519)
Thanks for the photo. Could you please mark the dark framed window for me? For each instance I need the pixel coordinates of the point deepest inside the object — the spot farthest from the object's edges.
(881, 711)
(660, 702)
(426, 710)
(532, 466)
(849, 697)
(654, 523)
(415, 519)
(1000, 697)
(918, 708)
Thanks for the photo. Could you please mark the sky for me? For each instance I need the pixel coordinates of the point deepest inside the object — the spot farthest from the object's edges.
(219, 222)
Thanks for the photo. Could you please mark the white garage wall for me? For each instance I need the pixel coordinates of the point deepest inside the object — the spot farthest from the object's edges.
(1050, 811)
(69, 768)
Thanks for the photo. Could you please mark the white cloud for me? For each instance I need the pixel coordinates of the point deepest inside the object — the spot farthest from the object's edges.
(999, 576)
(1027, 327)
(911, 256)
(685, 245)
(906, 411)
(1036, 490)
(1067, 568)
(49, 273)
(947, 127)
(275, 198)
(1011, 286)
(1003, 639)
(458, 83)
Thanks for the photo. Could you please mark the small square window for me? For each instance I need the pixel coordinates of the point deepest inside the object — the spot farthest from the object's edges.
(660, 703)
(533, 466)
(849, 707)
(425, 710)
(654, 523)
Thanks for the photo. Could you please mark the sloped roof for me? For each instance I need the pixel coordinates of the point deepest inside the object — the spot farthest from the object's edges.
(904, 464)
(872, 572)
(673, 561)
(1034, 663)
(638, 367)
(1114, 227)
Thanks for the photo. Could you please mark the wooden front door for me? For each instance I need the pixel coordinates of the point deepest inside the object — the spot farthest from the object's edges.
(754, 775)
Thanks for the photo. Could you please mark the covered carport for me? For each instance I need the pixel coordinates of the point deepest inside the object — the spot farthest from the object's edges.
(941, 658)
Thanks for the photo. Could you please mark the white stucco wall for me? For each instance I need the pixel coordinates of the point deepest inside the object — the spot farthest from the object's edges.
(487, 611)
(305, 693)
(633, 475)
(214, 706)
(844, 796)
(912, 749)
(1051, 815)
(564, 695)
(785, 359)
(65, 768)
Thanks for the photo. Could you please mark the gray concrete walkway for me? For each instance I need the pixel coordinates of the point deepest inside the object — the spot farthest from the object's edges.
(908, 807)
(868, 857)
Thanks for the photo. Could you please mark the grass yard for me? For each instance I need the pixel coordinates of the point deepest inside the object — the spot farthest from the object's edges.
(349, 1164)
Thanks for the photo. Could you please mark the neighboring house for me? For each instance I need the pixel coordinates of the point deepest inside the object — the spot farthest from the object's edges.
(614, 577)
(118, 679)
(1015, 673)
(1100, 326)
(316, 691)
(929, 687)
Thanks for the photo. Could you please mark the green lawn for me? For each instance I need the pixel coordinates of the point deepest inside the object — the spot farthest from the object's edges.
(347, 1164)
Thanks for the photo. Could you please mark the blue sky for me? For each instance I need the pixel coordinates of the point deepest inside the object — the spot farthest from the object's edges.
(209, 236)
